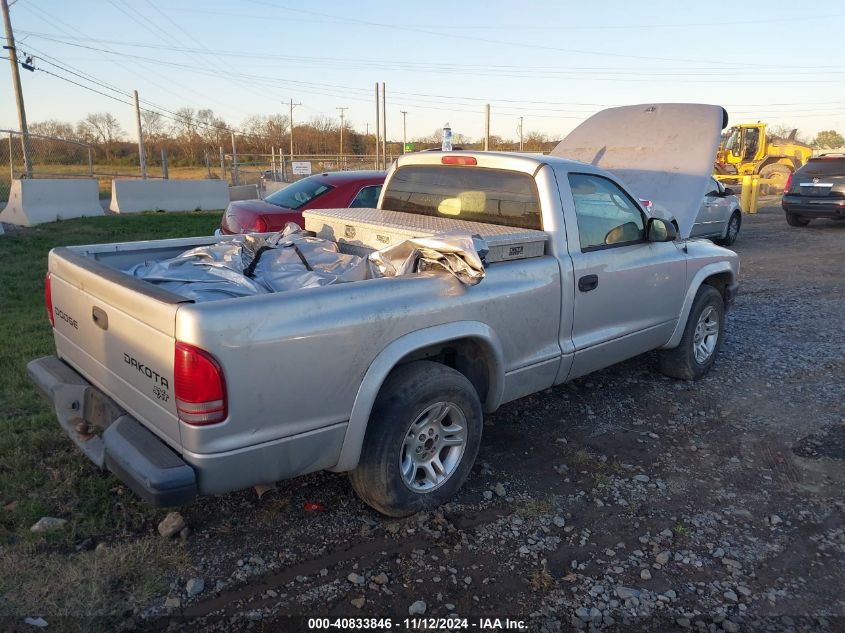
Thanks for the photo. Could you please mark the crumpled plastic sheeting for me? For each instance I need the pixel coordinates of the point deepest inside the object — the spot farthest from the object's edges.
(220, 271)
(455, 253)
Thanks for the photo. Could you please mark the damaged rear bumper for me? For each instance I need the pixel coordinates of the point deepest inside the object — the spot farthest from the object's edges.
(136, 456)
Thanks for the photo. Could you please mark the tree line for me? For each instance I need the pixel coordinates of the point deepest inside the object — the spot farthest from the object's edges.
(189, 135)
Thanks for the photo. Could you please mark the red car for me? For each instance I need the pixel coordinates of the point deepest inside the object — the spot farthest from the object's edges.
(333, 190)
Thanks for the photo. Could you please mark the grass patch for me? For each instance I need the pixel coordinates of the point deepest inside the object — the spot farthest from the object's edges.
(41, 472)
(681, 530)
(540, 579)
(535, 508)
(90, 590)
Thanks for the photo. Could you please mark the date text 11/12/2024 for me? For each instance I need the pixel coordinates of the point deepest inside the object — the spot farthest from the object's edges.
(418, 624)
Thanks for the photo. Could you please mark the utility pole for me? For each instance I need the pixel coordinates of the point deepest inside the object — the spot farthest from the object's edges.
(487, 127)
(520, 134)
(292, 104)
(383, 126)
(16, 85)
(141, 154)
(342, 112)
(404, 131)
(378, 129)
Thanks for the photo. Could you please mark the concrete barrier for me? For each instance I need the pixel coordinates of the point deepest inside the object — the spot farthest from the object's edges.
(133, 196)
(243, 192)
(38, 200)
(273, 187)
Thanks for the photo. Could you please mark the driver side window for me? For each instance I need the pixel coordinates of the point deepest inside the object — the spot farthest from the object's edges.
(606, 216)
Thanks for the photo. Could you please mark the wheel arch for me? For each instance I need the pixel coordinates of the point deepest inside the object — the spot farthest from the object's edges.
(716, 274)
(470, 347)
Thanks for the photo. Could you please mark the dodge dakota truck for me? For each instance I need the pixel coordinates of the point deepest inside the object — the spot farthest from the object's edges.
(388, 378)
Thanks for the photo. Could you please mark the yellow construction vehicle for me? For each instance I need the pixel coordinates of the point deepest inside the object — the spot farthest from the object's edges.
(746, 150)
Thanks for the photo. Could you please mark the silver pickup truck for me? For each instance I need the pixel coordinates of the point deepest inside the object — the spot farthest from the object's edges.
(388, 378)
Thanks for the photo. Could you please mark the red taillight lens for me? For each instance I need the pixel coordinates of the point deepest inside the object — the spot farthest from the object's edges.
(199, 386)
(48, 300)
(788, 183)
(259, 225)
(459, 160)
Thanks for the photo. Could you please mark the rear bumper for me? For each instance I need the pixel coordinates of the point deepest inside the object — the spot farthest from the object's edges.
(136, 456)
(818, 208)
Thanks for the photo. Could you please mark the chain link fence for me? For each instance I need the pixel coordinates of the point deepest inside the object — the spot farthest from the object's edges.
(38, 156)
(247, 169)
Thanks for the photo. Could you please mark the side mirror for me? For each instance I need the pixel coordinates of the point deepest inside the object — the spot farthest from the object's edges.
(659, 230)
(729, 191)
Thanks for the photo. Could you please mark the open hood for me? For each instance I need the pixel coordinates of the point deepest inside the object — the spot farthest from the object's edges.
(663, 152)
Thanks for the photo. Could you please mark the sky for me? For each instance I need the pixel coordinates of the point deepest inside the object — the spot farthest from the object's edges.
(553, 63)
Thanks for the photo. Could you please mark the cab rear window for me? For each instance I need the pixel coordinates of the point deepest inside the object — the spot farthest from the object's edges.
(465, 193)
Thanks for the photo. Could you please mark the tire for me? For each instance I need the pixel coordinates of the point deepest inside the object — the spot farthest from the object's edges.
(778, 171)
(732, 231)
(793, 219)
(391, 476)
(684, 362)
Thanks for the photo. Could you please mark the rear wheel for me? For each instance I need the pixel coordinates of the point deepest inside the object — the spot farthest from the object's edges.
(778, 174)
(732, 231)
(793, 219)
(421, 440)
(702, 338)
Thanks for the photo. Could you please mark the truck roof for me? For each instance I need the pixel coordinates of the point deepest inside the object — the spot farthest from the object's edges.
(528, 163)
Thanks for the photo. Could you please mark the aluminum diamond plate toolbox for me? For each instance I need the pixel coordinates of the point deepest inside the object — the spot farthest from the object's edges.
(363, 230)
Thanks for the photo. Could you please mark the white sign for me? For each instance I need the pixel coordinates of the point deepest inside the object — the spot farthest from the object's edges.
(301, 168)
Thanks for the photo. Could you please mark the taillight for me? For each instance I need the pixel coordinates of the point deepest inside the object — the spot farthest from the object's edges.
(48, 299)
(646, 204)
(259, 225)
(788, 182)
(199, 386)
(459, 160)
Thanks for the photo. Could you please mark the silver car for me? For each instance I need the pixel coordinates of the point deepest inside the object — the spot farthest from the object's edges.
(719, 217)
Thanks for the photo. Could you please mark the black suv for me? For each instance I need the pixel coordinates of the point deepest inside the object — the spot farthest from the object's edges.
(816, 190)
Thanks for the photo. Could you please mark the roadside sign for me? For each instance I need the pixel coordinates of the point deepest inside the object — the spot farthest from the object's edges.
(301, 167)
(409, 147)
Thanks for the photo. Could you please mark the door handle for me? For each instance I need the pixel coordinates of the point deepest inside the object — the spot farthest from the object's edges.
(588, 282)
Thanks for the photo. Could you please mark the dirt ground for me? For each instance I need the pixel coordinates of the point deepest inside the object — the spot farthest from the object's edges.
(622, 501)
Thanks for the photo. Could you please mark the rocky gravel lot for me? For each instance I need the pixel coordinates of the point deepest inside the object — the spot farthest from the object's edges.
(622, 501)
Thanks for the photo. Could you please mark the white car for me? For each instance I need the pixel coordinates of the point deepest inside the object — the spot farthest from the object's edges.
(719, 217)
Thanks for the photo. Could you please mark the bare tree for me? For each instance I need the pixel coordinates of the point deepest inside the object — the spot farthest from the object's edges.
(184, 131)
(56, 129)
(102, 129)
(155, 132)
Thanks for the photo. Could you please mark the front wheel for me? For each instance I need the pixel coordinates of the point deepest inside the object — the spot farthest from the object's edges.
(421, 440)
(702, 338)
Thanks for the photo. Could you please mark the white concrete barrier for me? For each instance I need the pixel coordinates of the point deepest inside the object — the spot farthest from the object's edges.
(133, 196)
(243, 192)
(38, 200)
(272, 187)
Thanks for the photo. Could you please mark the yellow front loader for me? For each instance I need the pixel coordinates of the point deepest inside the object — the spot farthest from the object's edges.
(748, 151)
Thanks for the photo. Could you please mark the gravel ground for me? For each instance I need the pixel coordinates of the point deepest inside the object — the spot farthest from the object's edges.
(622, 501)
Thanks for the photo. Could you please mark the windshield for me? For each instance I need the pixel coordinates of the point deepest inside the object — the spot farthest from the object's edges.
(299, 193)
(465, 193)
